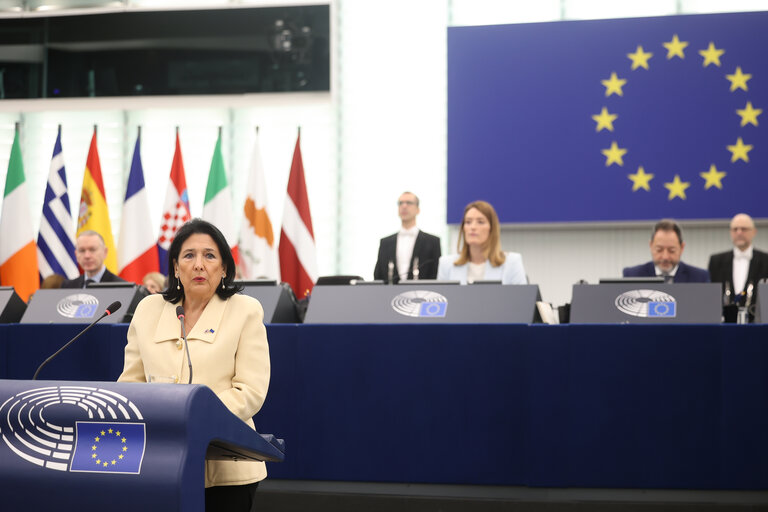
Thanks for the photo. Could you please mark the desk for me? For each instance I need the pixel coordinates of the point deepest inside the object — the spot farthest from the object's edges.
(610, 406)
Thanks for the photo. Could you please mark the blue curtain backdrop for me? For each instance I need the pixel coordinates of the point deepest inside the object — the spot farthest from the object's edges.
(629, 119)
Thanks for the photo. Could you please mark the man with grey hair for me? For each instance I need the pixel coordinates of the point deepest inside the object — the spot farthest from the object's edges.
(743, 265)
(90, 252)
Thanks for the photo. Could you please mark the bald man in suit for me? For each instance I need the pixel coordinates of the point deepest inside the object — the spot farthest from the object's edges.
(743, 265)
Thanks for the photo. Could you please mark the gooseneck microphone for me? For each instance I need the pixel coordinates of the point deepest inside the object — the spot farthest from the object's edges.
(111, 309)
(180, 316)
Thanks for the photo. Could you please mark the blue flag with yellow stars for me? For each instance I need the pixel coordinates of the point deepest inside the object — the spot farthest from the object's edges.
(103, 447)
(605, 120)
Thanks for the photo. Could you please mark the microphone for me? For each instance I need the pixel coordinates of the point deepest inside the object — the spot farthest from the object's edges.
(111, 309)
(390, 271)
(418, 265)
(180, 316)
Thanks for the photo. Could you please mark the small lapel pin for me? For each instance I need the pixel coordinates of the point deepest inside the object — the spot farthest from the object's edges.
(209, 330)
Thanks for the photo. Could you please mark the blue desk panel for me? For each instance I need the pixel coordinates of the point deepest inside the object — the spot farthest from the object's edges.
(623, 406)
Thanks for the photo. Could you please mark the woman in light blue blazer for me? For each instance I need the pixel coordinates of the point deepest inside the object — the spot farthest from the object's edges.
(480, 256)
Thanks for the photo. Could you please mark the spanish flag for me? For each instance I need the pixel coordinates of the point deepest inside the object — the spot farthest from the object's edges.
(94, 214)
(18, 251)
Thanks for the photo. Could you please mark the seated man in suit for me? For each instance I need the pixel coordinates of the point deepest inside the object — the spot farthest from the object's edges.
(666, 249)
(743, 265)
(410, 253)
(90, 252)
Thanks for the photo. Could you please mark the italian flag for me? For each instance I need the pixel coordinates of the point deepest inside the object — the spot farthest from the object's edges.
(217, 208)
(18, 251)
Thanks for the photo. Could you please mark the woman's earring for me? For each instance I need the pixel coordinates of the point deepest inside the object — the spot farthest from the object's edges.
(222, 283)
(178, 286)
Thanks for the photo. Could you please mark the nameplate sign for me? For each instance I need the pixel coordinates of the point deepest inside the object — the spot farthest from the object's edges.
(413, 302)
(647, 303)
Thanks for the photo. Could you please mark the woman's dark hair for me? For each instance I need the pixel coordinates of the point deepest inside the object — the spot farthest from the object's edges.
(193, 227)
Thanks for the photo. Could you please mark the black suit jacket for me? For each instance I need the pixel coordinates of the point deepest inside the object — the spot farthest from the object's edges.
(685, 273)
(79, 281)
(721, 268)
(426, 248)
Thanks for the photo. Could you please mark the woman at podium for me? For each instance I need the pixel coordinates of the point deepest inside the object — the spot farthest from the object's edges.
(480, 257)
(226, 341)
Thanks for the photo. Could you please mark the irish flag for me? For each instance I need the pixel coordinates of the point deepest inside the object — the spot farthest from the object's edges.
(94, 214)
(18, 251)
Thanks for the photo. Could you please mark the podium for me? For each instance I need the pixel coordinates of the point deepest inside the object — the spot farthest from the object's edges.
(647, 303)
(423, 302)
(116, 446)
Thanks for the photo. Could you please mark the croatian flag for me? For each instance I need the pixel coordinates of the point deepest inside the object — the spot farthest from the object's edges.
(176, 209)
(137, 250)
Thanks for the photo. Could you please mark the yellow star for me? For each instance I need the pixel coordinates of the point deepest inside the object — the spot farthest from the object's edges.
(738, 79)
(96, 439)
(677, 188)
(93, 456)
(613, 85)
(114, 462)
(102, 432)
(614, 154)
(98, 461)
(713, 177)
(675, 47)
(105, 463)
(740, 150)
(639, 58)
(117, 433)
(125, 448)
(93, 447)
(640, 179)
(749, 114)
(604, 120)
(122, 440)
(711, 55)
(120, 456)
(110, 431)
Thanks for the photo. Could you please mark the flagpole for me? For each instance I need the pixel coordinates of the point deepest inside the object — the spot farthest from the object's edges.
(59, 131)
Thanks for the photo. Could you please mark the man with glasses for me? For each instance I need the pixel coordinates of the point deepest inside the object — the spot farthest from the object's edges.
(742, 266)
(409, 253)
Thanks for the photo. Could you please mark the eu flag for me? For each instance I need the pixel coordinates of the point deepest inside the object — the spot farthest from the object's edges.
(604, 120)
(103, 447)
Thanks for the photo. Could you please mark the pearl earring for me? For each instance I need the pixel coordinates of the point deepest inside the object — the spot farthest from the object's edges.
(178, 285)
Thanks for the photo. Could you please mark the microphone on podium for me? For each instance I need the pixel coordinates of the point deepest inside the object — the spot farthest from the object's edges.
(110, 309)
(180, 316)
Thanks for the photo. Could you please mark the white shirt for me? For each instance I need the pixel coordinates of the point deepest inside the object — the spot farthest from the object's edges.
(672, 272)
(406, 240)
(476, 272)
(741, 260)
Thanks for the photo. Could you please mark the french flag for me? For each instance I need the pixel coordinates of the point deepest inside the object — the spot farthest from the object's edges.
(176, 209)
(136, 251)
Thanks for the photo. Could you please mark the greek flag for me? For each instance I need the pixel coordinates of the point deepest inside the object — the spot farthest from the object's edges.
(55, 243)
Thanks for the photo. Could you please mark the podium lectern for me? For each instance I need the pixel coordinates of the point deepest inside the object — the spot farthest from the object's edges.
(116, 446)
